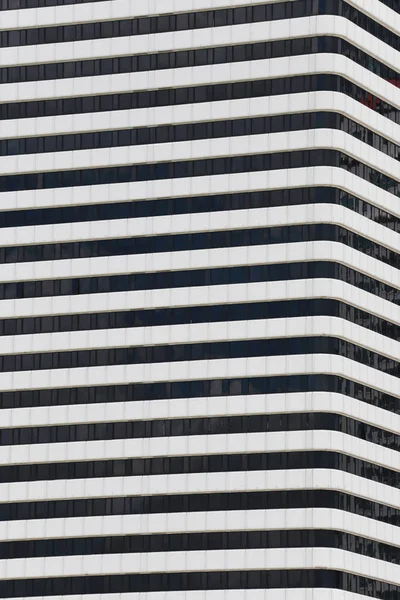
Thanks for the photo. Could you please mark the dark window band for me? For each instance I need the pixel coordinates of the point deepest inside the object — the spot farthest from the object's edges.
(197, 94)
(197, 241)
(200, 277)
(187, 542)
(200, 426)
(19, 4)
(200, 502)
(218, 463)
(201, 351)
(196, 20)
(178, 503)
(215, 580)
(198, 168)
(198, 131)
(201, 388)
(197, 57)
(199, 314)
(195, 204)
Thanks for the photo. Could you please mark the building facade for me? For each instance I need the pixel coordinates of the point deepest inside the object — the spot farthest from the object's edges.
(199, 299)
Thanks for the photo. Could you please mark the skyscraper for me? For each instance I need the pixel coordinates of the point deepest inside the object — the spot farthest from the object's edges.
(199, 299)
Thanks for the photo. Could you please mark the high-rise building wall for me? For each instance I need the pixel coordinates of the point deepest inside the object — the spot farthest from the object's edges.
(199, 299)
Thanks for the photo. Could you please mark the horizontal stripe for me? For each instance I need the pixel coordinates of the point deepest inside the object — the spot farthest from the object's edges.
(240, 424)
(261, 452)
(261, 167)
(181, 189)
(203, 97)
(271, 579)
(166, 313)
(153, 359)
(240, 481)
(198, 230)
(193, 370)
(192, 408)
(212, 388)
(253, 160)
(210, 240)
(259, 338)
(241, 594)
(92, 529)
(213, 560)
(260, 263)
(107, 8)
(259, 152)
(193, 20)
(180, 298)
(23, 4)
(46, 520)
(354, 42)
(391, 4)
(185, 76)
(235, 210)
(211, 437)
(236, 164)
(124, 320)
(195, 131)
(204, 54)
(380, 12)
(152, 24)
(195, 542)
(167, 97)
(217, 110)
